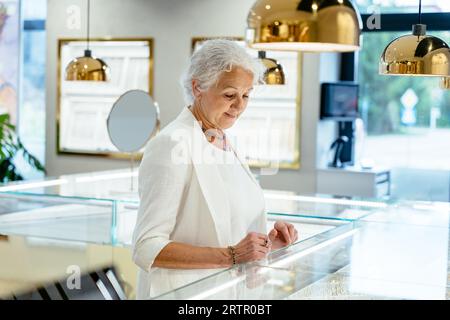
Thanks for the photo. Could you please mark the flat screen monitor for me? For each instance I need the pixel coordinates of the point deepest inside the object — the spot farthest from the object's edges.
(339, 101)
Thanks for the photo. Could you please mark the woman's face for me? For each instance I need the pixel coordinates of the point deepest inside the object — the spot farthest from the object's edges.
(224, 102)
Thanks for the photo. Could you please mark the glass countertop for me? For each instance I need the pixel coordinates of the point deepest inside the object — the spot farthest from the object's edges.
(394, 256)
(58, 218)
(120, 186)
(98, 221)
(286, 203)
(113, 185)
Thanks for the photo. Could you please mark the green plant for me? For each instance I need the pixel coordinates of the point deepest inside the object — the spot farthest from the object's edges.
(10, 147)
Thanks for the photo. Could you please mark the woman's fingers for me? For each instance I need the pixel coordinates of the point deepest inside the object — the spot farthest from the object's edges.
(254, 246)
(287, 230)
(296, 235)
(256, 236)
(259, 239)
(273, 234)
(283, 229)
(257, 245)
(292, 232)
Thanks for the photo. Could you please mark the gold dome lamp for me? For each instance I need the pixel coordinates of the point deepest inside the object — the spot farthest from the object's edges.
(273, 71)
(304, 25)
(87, 67)
(417, 54)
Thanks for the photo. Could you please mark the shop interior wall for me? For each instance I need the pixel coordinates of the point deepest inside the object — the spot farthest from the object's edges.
(172, 24)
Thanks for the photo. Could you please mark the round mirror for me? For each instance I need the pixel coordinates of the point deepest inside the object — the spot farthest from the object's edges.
(133, 119)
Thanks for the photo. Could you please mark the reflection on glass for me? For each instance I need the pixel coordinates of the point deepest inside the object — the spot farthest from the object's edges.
(400, 261)
(398, 254)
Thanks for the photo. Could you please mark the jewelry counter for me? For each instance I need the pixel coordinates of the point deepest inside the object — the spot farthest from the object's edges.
(337, 237)
(75, 216)
(398, 252)
(120, 186)
(117, 190)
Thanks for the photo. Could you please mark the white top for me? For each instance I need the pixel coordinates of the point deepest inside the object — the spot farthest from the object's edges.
(244, 195)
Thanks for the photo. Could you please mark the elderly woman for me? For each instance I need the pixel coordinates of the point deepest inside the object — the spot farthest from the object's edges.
(201, 207)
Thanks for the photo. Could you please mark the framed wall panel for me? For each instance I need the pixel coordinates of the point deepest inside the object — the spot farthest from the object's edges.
(83, 106)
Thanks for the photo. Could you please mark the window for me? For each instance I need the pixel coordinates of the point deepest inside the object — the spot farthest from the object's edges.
(406, 119)
(9, 62)
(31, 115)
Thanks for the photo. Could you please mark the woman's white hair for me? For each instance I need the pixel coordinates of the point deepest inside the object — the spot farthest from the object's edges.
(212, 59)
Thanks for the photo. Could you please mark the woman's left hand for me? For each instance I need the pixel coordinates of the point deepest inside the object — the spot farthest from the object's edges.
(283, 234)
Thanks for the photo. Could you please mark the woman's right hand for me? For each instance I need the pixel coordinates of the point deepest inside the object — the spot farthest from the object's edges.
(255, 246)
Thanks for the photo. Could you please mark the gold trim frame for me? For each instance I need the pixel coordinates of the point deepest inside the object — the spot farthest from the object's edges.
(112, 155)
(295, 163)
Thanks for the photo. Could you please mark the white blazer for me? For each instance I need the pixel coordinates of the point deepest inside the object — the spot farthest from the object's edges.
(181, 199)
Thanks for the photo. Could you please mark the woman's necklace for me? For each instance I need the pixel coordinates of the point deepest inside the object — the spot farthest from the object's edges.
(218, 139)
(213, 134)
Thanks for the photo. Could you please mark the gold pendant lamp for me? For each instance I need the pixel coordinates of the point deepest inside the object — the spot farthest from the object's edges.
(304, 25)
(273, 73)
(87, 67)
(417, 54)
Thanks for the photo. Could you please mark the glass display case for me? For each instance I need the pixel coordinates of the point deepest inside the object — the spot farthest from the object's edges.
(102, 221)
(115, 185)
(120, 186)
(347, 249)
(284, 203)
(84, 221)
(66, 219)
(32, 263)
(395, 253)
(76, 200)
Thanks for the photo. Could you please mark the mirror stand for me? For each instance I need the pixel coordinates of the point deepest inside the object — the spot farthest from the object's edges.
(132, 154)
(134, 109)
(129, 192)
